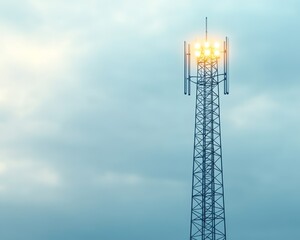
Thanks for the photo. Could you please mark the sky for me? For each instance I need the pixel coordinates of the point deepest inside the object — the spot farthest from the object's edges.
(96, 135)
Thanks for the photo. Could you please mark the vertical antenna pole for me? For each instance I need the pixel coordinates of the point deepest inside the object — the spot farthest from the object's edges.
(189, 70)
(184, 69)
(226, 66)
(227, 70)
(206, 29)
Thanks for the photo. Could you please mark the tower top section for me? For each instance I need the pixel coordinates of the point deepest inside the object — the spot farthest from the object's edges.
(204, 53)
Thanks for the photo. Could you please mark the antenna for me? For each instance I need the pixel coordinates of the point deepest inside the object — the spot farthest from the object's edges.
(226, 66)
(187, 68)
(184, 68)
(206, 29)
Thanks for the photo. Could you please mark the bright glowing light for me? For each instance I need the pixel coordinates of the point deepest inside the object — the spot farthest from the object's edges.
(217, 45)
(197, 45)
(206, 44)
(197, 54)
(217, 53)
(207, 52)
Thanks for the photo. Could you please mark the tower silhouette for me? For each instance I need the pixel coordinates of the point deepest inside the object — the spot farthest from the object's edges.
(207, 201)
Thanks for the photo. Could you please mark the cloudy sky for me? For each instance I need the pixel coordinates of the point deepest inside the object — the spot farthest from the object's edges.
(96, 135)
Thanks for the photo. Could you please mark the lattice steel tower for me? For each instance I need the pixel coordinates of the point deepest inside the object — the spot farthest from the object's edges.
(207, 203)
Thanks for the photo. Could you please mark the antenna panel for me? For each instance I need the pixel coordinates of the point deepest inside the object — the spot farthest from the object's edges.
(226, 66)
(189, 70)
(184, 69)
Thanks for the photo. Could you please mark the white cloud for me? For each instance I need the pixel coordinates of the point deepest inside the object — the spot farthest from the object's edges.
(28, 180)
(113, 179)
(30, 66)
(265, 7)
(254, 113)
(33, 53)
(3, 168)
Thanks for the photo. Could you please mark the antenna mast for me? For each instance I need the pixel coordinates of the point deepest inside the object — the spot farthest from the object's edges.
(206, 29)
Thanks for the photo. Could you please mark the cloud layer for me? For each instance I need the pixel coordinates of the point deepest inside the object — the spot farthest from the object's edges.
(96, 135)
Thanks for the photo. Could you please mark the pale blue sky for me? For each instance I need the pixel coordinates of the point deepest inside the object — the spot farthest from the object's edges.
(96, 134)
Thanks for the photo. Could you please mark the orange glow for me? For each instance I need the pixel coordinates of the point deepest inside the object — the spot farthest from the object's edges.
(217, 45)
(217, 53)
(207, 52)
(197, 45)
(207, 49)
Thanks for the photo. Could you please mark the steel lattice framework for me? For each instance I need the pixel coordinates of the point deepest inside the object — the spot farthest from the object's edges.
(208, 214)
(207, 202)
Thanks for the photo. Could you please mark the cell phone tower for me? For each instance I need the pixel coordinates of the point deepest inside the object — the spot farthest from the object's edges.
(207, 202)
